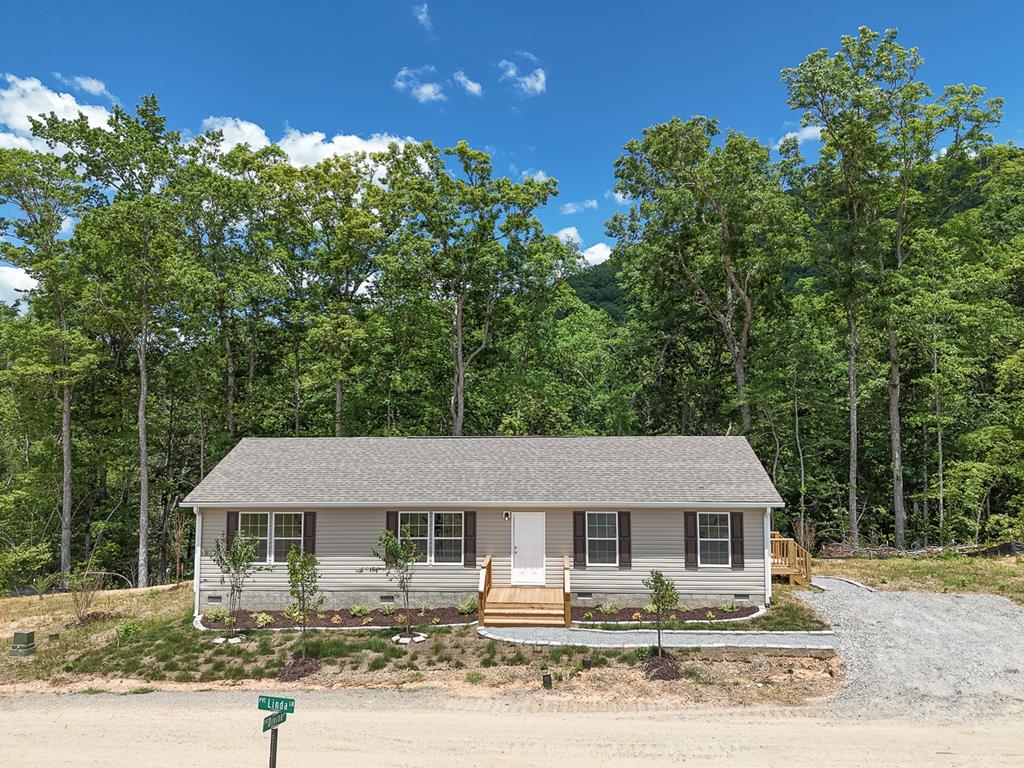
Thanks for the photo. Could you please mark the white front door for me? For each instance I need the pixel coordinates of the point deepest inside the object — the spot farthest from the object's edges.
(528, 548)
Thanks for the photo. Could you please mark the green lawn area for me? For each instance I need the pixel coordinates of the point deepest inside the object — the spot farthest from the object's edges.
(945, 573)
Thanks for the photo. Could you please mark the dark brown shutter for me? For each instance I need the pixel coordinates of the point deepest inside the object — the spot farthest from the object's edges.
(309, 533)
(469, 539)
(232, 528)
(690, 532)
(625, 542)
(736, 530)
(392, 522)
(579, 540)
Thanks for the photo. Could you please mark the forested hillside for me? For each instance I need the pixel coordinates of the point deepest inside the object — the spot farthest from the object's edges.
(858, 314)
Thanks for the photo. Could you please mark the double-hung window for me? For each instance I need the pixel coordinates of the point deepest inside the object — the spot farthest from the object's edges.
(275, 533)
(438, 536)
(602, 538)
(713, 539)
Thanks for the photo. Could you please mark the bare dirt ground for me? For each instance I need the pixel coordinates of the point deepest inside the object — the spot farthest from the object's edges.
(432, 728)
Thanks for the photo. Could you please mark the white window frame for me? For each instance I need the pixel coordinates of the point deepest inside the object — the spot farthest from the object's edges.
(271, 529)
(588, 539)
(727, 540)
(430, 535)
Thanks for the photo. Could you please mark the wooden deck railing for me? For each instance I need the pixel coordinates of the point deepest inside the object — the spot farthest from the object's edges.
(790, 559)
(484, 586)
(566, 591)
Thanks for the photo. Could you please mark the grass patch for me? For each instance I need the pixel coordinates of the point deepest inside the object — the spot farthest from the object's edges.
(940, 573)
(474, 677)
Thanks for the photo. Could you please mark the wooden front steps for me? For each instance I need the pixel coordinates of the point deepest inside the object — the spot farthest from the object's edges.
(790, 560)
(524, 607)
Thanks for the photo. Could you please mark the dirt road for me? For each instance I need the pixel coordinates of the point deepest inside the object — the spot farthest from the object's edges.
(430, 728)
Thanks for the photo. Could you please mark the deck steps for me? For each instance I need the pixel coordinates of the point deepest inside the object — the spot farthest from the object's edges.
(524, 607)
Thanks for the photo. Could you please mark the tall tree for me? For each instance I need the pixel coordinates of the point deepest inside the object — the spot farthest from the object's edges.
(131, 240)
(49, 196)
(469, 242)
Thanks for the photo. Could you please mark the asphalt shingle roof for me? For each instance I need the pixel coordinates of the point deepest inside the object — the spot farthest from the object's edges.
(383, 470)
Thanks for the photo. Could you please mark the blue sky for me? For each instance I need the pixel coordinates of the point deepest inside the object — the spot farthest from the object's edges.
(552, 87)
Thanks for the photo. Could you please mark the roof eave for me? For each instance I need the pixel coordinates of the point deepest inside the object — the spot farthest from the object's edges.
(477, 504)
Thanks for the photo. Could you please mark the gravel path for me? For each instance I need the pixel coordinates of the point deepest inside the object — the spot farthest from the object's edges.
(914, 653)
(640, 638)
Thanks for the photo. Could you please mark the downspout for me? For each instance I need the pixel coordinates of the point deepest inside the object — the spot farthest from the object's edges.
(767, 556)
(195, 569)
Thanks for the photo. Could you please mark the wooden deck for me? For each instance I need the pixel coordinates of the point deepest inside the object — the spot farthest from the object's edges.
(510, 606)
(790, 560)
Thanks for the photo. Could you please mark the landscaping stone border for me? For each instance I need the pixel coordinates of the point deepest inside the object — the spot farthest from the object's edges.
(817, 640)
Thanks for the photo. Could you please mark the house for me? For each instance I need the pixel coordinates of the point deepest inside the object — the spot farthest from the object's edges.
(526, 523)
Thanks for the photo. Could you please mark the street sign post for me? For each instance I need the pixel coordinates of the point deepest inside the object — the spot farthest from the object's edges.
(280, 708)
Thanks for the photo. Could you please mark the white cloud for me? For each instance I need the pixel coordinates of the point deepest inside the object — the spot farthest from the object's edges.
(12, 280)
(91, 85)
(301, 148)
(422, 14)
(410, 81)
(529, 84)
(473, 88)
(569, 235)
(806, 133)
(571, 208)
(310, 148)
(597, 253)
(25, 97)
(534, 173)
(618, 197)
(237, 132)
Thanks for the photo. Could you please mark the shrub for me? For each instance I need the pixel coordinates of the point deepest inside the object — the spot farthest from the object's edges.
(467, 606)
(607, 608)
(84, 586)
(293, 614)
(728, 607)
(650, 608)
(358, 611)
(387, 609)
(261, 619)
(219, 613)
(588, 616)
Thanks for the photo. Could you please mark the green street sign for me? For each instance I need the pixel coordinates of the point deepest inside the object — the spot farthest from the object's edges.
(277, 704)
(274, 720)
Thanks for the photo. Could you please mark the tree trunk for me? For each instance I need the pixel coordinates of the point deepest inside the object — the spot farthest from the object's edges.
(229, 356)
(895, 432)
(338, 400)
(297, 380)
(852, 366)
(66, 487)
(940, 477)
(141, 350)
(800, 456)
(458, 405)
(740, 368)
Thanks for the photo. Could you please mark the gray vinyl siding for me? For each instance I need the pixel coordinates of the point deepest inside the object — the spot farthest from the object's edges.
(345, 537)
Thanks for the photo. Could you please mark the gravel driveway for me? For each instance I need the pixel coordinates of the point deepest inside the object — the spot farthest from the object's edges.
(915, 653)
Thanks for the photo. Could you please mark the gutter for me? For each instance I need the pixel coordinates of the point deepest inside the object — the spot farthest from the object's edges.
(435, 504)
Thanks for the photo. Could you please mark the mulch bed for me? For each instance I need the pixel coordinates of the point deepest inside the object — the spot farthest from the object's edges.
(296, 669)
(660, 668)
(631, 614)
(344, 618)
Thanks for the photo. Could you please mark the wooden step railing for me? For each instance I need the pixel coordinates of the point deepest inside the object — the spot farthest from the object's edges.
(790, 559)
(484, 586)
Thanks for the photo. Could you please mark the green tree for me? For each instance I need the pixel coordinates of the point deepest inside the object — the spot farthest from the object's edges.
(303, 586)
(664, 597)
